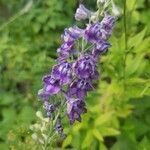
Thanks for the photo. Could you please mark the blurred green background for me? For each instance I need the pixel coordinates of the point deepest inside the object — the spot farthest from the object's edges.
(118, 115)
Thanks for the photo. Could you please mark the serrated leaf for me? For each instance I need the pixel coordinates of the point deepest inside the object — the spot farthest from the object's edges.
(88, 140)
(131, 4)
(26, 115)
(108, 131)
(137, 39)
(98, 135)
(103, 118)
(67, 141)
(144, 144)
(133, 64)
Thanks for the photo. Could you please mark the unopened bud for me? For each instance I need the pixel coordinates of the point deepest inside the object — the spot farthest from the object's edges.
(100, 2)
(115, 10)
(82, 13)
(34, 136)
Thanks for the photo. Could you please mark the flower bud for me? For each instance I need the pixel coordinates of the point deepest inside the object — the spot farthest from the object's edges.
(82, 13)
(45, 136)
(115, 10)
(34, 136)
(100, 3)
(39, 114)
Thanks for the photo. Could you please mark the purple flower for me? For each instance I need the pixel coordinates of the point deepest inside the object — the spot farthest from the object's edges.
(100, 48)
(108, 22)
(82, 13)
(65, 50)
(93, 32)
(43, 95)
(50, 108)
(100, 30)
(75, 107)
(85, 67)
(59, 128)
(107, 25)
(51, 85)
(71, 34)
(63, 72)
(79, 88)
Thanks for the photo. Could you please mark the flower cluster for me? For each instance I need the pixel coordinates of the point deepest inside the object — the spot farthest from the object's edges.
(76, 69)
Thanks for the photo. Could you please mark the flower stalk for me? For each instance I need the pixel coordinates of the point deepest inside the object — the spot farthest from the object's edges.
(126, 43)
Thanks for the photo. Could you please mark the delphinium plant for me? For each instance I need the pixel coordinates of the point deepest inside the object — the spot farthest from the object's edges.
(66, 86)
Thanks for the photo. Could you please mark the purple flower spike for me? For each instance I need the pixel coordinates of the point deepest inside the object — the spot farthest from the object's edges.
(51, 85)
(75, 107)
(82, 13)
(77, 66)
(85, 67)
(63, 72)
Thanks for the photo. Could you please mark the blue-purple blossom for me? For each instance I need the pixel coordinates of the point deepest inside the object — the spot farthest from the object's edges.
(93, 32)
(51, 85)
(72, 33)
(69, 37)
(59, 127)
(75, 107)
(65, 50)
(100, 48)
(107, 22)
(50, 108)
(79, 88)
(63, 72)
(43, 95)
(107, 25)
(85, 67)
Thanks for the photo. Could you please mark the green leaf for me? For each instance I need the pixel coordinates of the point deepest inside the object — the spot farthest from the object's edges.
(137, 39)
(4, 146)
(6, 99)
(98, 135)
(27, 115)
(144, 144)
(108, 131)
(131, 4)
(88, 140)
(67, 141)
(124, 143)
(103, 118)
(133, 64)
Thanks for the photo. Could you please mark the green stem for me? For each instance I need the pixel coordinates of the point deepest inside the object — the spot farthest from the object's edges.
(49, 134)
(126, 43)
(125, 25)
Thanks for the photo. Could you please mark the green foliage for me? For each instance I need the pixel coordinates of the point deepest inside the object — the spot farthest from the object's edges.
(30, 33)
(118, 110)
